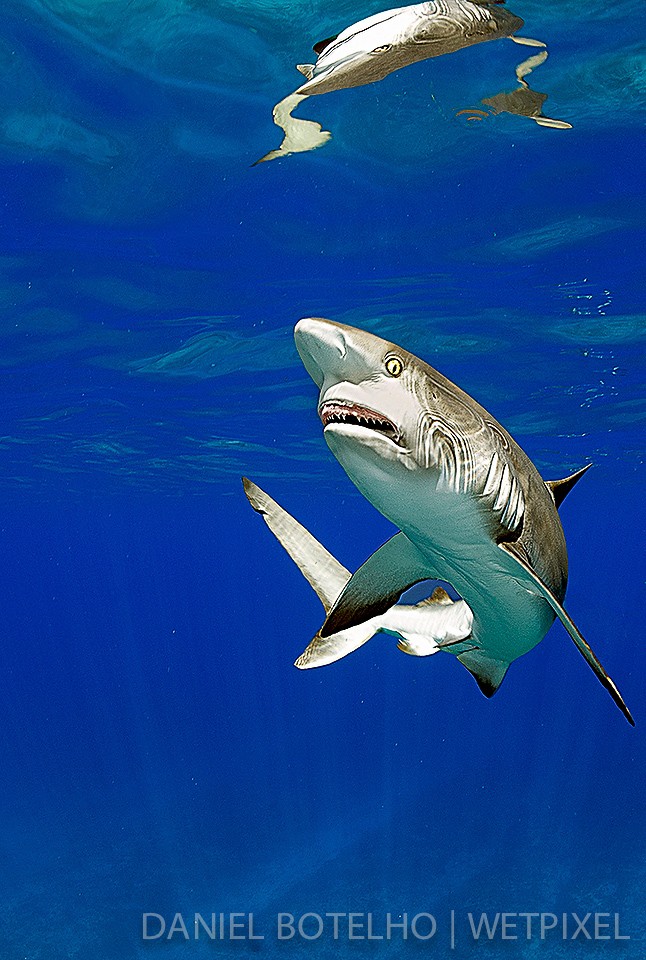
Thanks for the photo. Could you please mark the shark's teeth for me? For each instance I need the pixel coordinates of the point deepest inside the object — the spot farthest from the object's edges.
(351, 413)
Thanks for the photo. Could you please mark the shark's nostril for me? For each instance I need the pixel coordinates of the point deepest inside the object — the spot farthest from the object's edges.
(319, 341)
(340, 344)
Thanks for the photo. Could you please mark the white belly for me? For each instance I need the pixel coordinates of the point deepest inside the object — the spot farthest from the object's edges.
(450, 529)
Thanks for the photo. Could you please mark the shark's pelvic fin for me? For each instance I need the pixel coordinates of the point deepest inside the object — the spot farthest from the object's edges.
(378, 584)
(560, 488)
(583, 646)
(488, 673)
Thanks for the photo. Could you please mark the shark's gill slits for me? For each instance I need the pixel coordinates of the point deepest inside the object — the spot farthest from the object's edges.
(355, 415)
(446, 449)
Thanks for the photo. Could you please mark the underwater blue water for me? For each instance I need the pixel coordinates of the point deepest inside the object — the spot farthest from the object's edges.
(159, 752)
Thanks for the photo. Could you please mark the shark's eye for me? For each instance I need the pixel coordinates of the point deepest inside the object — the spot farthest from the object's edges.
(382, 49)
(394, 365)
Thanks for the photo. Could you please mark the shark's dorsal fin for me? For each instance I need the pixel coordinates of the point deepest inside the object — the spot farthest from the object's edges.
(583, 646)
(488, 673)
(307, 69)
(560, 488)
(322, 44)
(378, 584)
(439, 595)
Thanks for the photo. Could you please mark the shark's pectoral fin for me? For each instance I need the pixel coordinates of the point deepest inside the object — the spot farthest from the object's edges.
(528, 42)
(377, 584)
(322, 571)
(488, 673)
(300, 135)
(583, 646)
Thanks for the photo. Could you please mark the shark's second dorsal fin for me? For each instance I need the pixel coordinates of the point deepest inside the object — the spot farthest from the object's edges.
(488, 673)
(378, 584)
(560, 488)
(439, 595)
(307, 69)
(322, 44)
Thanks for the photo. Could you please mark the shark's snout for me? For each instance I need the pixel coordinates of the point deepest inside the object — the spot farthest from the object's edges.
(321, 346)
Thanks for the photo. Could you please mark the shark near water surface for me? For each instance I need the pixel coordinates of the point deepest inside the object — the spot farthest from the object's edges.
(371, 49)
(471, 507)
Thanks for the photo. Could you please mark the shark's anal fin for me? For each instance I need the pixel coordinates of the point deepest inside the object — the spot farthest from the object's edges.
(377, 584)
(584, 647)
(438, 597)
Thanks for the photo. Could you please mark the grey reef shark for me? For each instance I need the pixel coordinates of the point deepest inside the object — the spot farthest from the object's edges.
(470, 506)
(371, 49)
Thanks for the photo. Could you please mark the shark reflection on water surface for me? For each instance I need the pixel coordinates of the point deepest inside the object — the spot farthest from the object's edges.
(371, 49)
(523, 101)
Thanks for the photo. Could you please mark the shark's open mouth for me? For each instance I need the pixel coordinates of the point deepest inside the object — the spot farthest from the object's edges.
(352, 413)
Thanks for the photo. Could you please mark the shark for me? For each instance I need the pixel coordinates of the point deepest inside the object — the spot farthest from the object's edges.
(369, 50)
(470, 507)
(434, 624)
(372, 48)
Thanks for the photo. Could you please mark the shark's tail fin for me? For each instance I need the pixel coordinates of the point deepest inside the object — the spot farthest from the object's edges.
(322, 571)
(324, 650)
(300, 135)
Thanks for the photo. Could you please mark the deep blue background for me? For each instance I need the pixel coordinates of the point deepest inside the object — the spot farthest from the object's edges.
(159, 752)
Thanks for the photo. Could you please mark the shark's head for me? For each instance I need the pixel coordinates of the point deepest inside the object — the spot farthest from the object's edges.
(423, 451)
(385, 413)
(372, 48)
